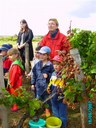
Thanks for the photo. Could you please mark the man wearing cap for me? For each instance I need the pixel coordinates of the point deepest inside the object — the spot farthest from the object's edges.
(55, 40)
(6, 61)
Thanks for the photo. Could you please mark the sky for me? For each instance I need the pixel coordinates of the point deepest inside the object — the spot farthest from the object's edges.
(82, 13)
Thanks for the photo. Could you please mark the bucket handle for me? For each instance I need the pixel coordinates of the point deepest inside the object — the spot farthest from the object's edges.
(41, 127)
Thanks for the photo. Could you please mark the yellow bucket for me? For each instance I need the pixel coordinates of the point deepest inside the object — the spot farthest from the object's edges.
(53, 122)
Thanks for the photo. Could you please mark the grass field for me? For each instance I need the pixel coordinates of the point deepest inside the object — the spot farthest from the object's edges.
(12, 40)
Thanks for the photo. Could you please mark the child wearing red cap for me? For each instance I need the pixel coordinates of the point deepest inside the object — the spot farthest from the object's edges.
(56, 85)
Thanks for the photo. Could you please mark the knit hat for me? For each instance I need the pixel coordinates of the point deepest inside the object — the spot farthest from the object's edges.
(5, 47)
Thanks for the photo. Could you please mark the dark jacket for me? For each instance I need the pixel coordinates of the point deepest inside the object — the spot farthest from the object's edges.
(38, 80)
(28, 36)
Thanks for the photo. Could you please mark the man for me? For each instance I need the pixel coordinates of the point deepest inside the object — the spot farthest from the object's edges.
(55, 40)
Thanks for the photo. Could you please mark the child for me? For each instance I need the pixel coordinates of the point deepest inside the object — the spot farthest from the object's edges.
(56, 85)
(35, 60)
(36, 56)
(41, 75)
(6, 60)
(15, 73)
(42, 72)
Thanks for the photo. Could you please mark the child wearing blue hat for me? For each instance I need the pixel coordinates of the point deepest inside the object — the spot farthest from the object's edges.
(41, 73)
(6, 61)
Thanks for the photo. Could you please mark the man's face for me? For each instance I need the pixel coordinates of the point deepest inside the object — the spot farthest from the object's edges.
(52, 26)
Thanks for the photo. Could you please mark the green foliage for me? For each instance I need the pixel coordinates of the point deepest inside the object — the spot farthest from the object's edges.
(76, 91)
(85, 41)
(23, 100)
(72, 91)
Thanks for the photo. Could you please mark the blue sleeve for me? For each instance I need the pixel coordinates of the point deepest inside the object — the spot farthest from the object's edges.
(51, 71)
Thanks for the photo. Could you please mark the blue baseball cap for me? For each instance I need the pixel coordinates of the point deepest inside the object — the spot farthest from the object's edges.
(5, 47)
(45, 49)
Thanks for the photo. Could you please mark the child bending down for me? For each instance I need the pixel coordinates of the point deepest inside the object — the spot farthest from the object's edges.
(56, 86)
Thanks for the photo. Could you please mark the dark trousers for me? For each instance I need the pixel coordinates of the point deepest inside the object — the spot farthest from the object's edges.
(60, 110)
(43, 97)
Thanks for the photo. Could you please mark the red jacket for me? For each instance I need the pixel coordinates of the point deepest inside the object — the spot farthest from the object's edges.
(15, 77)
(60, 42)
(6, 64)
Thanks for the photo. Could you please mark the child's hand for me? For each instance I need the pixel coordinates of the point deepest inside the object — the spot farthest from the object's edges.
(28, 76)
(65, 101)
(6, 75)
(32, 87)
(45, 75)
(48, 90)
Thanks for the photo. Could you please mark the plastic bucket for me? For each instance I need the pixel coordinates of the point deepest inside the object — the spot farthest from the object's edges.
(53, 122)
(39, 124)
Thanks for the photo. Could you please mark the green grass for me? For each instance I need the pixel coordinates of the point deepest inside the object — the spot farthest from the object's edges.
(14, 43)
(7, 42)
(13, 39)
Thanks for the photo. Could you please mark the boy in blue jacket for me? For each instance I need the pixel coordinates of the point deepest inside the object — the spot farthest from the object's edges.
(42, 72)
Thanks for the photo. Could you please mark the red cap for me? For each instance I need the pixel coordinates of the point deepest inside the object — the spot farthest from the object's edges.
(57, 58)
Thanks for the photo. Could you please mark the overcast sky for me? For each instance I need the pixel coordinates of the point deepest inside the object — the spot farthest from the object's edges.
(38, 12)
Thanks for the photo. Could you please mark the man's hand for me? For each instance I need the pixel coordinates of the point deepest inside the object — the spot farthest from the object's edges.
(61, 52)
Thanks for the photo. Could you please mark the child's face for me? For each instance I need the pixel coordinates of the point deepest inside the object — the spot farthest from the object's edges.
(13, 57)
(37, 55)
(4, 53)
(44, 57)
(57, 66)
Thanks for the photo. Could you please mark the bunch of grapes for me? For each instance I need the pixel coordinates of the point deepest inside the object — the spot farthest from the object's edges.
(69, 71)
(70, 68)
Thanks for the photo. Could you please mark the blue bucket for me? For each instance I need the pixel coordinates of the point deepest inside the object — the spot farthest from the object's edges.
(39, 124)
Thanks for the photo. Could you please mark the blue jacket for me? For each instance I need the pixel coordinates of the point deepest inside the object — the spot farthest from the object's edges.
(38, 80)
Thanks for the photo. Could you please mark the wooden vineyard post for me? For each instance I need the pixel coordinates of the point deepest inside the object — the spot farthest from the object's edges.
(27, 66)
(3, 110)
(83, 105)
